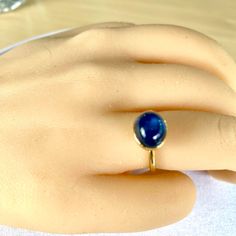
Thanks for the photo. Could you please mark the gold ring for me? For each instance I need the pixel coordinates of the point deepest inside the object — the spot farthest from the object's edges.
(150, 130)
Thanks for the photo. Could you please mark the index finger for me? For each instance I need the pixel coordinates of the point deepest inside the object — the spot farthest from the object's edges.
(162, 43)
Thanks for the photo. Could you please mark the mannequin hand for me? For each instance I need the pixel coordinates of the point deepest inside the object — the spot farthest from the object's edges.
(68, 104)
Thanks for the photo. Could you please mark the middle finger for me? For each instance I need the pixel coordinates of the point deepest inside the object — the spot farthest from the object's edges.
(136, 86)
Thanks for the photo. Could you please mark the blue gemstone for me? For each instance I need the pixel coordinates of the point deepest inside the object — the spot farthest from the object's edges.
(150, 129)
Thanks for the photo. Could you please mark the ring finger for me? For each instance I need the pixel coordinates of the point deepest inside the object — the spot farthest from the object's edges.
(194, 141)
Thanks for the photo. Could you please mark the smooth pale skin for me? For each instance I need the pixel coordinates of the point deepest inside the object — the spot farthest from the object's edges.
(68, 103)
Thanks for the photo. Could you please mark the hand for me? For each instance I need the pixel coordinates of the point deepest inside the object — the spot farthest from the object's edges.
(68, 104)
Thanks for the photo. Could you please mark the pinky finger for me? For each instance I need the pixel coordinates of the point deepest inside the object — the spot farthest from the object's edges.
(224, 175)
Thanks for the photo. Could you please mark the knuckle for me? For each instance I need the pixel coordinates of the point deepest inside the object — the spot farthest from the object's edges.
(93, 44)
(96, 38)
(227, 132)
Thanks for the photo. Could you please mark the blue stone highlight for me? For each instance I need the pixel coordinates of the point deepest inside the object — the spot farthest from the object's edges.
(150, 129)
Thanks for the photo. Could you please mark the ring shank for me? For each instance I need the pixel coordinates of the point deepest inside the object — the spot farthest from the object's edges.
(152, 160)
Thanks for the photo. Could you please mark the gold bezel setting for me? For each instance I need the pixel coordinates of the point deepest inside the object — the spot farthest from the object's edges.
(151, 150)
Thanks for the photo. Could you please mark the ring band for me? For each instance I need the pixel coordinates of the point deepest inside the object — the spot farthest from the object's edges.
(150, 131)
(152, 160)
